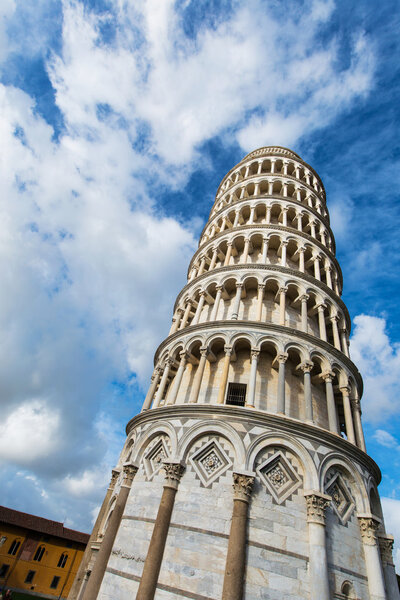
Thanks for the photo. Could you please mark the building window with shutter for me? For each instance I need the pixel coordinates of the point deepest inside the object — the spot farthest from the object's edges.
(236, 394)
(39, 553)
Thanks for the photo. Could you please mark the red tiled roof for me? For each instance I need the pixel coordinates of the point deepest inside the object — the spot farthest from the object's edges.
(46, 526)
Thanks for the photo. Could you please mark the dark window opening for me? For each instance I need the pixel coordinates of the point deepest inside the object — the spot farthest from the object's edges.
(14, 547)
(30, 576)
(236, 394)
(39, 553)
(54, 583)
(4, 570)
(62, 560)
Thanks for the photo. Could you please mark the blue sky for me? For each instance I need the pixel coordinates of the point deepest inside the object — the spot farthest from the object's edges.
(118, 120)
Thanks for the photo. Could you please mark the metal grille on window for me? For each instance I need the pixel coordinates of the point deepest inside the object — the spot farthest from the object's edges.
(236, 394)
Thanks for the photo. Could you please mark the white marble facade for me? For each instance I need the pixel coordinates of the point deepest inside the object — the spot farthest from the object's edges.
(261, 311)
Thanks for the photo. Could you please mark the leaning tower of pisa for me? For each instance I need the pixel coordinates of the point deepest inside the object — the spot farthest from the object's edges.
(245, 475)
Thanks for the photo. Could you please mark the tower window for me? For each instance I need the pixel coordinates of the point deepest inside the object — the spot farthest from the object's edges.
(39, 554)
(29, 577)
(62, 560)
(4, 570)
(236, 394)
(14, 547)
(54, 583)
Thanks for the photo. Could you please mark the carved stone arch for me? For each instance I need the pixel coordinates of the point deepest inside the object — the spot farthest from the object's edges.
(273, 279)
(246, 277)
(218, 428)
(374, 500)
(270, 340)
(248, 338)
(196, 341)
(317, 357)
(107, 515)
(302, 351)
(342, 463)
(283, 440)
(348, 591)
(159, 428)
(214, 337)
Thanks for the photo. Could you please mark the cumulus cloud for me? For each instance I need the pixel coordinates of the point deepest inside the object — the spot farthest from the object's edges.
(90, 262)
(384, 438)
(379, 362)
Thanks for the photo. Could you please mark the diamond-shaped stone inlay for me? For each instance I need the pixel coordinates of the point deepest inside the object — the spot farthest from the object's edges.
(342, 501)
(153, 460)
(210, 462)
(279, 477)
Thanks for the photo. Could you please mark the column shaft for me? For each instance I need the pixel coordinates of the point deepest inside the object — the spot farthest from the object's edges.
(347, 415)
(281, 385)
(224, 376)
(253, 378)
(96, 577)
(163, 383)
(304, 315)
(307, 391)
(194, 395)
(260, 298)
(282, 306)
(321, 321)
(199, 308)
(228, 255)
(178, 379)
(153, 386)
(152, 564)
(264, 251)
(318, 569)
(216, 304)
(331, 406)
(373, 565)
(236, 302)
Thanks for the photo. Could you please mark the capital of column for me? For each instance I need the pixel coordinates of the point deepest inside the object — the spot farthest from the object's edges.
(228, 350)
(386, 547)
(317, 503)
(130, 471)
(204, 351)
(284, 243)
(173, 473)
(328, 376)
(242, 486)
(219, 288)
(261, 286)
(229, 243)
(283, 290)
(239, 285)
(321, 306)
(183, 355)
(334, 318)
(328, 268)
(316, 257)
(345, 390)
(369, 525)
(254, 353)
(304, 298)
(306, 366)
(356, 404)
(114, 476)
(282, 358)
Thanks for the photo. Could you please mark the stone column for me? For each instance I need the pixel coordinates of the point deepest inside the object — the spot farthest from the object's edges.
(253, 377)
(321, 321)
(213, 259)
(224, 376)
(330, 402)
(236, 556)
(273, 161)
(194, 395)
(306, 367)
(223, 225)
(264, 251)
(228, 254)
(368, 528)
(252, 211)
(299, 217)
(236, 302)
(199, 308)
(304, 312)
(282, 305)
(245, 251)
(389, 573)
(153, 386)
(217, 300)
(236, 221)
(97, 574)
(152, 564)
(186, 314)
(163, 383)
(317, 272)
(178, 378)
(175, 321)
(347, 414)
(312, 227)
(328, 271)
(281, 358)
(283, 256)
(358, 430)
(80, 575)
(345, 348)
(336, 340)
(193, 274)
(260, 297)
(301, 259)
(202, 264)
(284, 216)
(267, 215)
(318, 569)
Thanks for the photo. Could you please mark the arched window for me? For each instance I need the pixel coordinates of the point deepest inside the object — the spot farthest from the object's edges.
(62, 560)
(14, 547)
(39, 553)
(348, 590)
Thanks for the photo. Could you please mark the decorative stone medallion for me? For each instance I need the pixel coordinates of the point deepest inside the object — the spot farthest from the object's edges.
(342, 502)
(210, 462)
(154, 458)
(279, 477)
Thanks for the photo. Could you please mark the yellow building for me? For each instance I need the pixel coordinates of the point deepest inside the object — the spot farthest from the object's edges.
(38, 556)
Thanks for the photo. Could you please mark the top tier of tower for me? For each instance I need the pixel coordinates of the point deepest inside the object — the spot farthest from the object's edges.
(276, 173)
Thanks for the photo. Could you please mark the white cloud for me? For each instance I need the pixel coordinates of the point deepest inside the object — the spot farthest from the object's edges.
(384, 438)
(379, 362)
